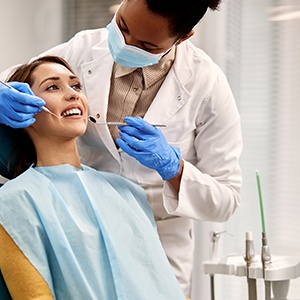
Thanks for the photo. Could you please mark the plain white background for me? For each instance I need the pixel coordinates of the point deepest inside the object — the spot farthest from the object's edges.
(28, 28)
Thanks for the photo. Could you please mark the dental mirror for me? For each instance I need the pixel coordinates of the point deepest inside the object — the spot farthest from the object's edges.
(93, 120)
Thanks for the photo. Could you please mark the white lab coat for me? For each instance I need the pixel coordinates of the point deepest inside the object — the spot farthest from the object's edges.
(196, 104)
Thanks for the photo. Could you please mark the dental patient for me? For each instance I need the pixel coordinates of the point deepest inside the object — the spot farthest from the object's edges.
(68, 231)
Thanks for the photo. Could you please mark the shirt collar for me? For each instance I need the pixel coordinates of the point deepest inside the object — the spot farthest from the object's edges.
(151, 73)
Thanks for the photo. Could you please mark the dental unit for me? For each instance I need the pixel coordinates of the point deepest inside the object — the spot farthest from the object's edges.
(276, 272)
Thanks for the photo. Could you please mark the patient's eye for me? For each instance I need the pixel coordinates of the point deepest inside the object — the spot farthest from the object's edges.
(52, 87)
(77, 86)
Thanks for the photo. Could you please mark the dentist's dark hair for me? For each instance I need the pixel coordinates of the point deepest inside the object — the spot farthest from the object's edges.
(183, 14)
(23, 153)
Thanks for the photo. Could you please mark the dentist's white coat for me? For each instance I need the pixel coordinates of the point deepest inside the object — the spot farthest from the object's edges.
(196, 104)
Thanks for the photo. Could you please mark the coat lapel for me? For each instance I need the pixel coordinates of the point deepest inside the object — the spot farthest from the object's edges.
(172, 94)
(96, 76)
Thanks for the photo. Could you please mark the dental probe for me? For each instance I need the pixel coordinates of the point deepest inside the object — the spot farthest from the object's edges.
(7, 85)
(93, 120)
(44, 108)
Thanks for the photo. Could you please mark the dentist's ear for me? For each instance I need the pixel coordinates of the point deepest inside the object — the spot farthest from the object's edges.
(186, 37)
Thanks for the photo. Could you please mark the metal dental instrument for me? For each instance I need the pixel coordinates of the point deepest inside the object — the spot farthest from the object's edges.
(250, 258)
(214, 241)
(265, 251)
(4, 83)
(44, 108)
(93, 120)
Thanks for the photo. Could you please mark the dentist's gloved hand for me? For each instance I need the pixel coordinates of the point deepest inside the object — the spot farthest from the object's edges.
(148, 145)
(18, 105)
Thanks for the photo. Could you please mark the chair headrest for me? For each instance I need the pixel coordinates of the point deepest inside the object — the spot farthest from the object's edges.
(6, 147)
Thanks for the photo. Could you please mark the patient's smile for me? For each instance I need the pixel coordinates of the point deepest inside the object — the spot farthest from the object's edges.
(72, 112)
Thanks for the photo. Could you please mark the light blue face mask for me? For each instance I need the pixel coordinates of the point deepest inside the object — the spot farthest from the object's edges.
(127, 55)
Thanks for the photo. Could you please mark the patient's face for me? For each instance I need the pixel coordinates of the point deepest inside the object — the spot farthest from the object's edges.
(62, 93)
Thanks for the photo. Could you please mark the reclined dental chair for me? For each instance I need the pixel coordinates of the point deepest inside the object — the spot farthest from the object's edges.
(5, 151)
(4, 293)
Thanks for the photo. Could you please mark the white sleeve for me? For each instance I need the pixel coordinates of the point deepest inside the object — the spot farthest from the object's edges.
(210, 188)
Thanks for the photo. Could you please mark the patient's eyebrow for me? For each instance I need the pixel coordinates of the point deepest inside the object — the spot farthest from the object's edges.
(55, 78)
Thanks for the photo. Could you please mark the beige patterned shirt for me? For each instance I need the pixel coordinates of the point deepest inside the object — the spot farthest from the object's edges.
(133, 89)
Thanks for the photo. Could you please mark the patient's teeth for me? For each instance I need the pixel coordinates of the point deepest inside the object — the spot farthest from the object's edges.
(73, 111)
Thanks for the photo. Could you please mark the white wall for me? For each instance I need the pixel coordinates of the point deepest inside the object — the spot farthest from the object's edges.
(28, 28)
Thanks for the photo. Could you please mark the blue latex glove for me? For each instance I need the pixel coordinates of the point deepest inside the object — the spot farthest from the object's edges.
(18, 105)
(148, 145)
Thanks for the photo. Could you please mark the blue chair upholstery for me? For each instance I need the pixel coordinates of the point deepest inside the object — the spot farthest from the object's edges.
(6, 146)
(4, 293)
(4, 155)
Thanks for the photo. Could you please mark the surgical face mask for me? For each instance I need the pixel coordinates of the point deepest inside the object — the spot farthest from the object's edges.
(127, 55)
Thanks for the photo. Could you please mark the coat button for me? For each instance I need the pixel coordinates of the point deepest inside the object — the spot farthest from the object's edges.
(90, 72)
(179, 98)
